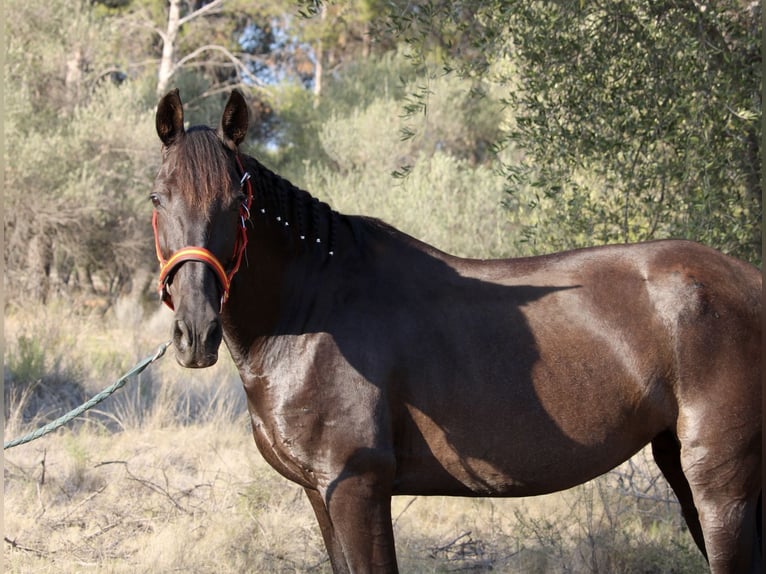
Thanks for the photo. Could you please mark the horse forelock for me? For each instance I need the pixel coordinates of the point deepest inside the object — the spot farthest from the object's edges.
(200, 168)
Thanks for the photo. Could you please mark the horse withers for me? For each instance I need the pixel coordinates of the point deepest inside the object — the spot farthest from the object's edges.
(377, 365)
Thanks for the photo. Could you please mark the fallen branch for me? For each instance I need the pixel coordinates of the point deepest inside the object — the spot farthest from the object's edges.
(18, 546)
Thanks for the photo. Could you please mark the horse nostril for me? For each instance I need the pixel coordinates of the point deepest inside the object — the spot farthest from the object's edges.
(182, 334)
(214, 332)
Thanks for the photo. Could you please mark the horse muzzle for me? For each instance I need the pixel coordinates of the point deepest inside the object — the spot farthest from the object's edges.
(197, 342)
(197, 330)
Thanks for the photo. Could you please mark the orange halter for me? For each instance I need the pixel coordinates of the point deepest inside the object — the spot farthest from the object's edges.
(167, 267)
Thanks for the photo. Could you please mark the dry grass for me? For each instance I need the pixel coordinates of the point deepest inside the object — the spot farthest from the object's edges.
(185, 499)
(166, 478)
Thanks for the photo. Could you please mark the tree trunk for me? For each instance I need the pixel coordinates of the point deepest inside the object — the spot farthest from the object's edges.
(318, 68)
(39, 260)
(169, 48)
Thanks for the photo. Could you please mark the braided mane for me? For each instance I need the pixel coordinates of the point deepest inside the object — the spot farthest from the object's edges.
(204, 168)
(283, 203)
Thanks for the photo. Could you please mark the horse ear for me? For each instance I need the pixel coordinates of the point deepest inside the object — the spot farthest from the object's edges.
(234, 121)
(170, 118)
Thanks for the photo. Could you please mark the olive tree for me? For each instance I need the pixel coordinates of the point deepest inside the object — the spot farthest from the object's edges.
(633, 119)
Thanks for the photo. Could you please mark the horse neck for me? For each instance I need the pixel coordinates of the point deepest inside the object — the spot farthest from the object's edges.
(294, 244)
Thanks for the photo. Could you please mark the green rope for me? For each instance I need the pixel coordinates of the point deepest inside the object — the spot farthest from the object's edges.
(61, 421)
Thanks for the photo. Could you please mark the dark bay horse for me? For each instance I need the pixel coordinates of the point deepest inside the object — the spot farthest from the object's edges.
(376, 365)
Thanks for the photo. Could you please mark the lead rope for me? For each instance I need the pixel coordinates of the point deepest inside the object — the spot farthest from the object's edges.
(61, 421)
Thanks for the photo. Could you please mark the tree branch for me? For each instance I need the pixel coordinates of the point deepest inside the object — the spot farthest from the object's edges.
(216, 48)
(212, 8)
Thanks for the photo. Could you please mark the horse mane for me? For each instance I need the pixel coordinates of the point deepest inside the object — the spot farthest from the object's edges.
(203, 163)
(286, 204)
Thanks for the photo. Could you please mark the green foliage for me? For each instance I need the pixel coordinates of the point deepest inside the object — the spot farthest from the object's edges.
(299, 117)
(650, 102)
(27, 362)
(80, 186)
(451, 196)
(80, 156)
(365, 80)
(294, 135)
(636, 120)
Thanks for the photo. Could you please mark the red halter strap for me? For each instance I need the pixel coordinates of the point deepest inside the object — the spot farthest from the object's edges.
(168, 266)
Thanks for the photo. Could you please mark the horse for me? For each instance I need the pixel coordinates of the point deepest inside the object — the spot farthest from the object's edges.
(376, 365)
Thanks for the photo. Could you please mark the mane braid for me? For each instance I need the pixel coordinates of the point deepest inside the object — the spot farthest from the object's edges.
(299, 215)
(315, 218)
(302, 215)
(203, 169)
(331, 233)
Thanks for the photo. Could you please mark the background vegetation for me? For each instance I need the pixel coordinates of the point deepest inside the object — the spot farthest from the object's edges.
(563, 124)
(488, 129)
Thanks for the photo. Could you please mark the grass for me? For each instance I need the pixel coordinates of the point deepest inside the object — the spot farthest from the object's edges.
(165, 477)
(190, 499)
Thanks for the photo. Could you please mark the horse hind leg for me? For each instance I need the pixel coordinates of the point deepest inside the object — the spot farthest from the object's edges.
(724, 477)
(666, 451)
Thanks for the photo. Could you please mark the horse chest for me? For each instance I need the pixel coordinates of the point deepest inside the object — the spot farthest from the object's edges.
(310, 413)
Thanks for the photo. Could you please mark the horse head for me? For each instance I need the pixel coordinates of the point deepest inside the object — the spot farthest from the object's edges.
(201, 200)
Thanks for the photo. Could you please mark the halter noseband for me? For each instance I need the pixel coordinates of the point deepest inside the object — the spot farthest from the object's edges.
(169, 266)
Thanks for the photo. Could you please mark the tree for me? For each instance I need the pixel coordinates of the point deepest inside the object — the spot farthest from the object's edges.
(635, 119)
(339, 33)
(182, 35)
(80, 153)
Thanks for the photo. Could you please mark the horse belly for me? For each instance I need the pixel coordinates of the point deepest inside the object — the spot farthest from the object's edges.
(507, 459)
(533, 398)
(505, 431)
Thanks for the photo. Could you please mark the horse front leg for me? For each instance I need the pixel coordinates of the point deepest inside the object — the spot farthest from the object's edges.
(357, 505)
(331, 542)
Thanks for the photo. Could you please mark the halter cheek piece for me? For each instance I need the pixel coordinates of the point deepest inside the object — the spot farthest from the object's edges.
(170, 265)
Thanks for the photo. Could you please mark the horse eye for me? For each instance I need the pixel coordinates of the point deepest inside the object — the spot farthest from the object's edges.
(155, 199)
